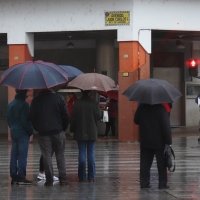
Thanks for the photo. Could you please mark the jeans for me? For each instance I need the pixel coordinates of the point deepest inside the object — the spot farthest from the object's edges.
(18, 157)
(46, 143)
(86, 148)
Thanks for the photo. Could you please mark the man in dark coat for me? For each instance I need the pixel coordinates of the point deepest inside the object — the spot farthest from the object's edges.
(50, 118)
(85, 114)
(21, 130)
(155, 132)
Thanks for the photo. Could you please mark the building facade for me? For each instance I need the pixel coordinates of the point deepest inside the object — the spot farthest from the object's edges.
(128, 40)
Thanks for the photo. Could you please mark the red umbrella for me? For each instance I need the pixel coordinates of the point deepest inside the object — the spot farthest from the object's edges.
(111, 94)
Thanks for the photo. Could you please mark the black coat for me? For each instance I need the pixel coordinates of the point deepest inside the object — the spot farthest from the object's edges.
(154, 128)
(49, 114)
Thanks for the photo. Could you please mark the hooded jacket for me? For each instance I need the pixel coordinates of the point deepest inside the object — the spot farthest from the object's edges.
(17, 116)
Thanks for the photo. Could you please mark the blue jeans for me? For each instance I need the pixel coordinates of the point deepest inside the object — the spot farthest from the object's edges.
(89, 147)
(18, 157)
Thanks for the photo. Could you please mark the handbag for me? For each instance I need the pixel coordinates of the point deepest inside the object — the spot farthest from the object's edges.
(105, 116)
(169, 158)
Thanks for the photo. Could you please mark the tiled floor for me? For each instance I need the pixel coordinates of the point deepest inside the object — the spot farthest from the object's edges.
(117, 170)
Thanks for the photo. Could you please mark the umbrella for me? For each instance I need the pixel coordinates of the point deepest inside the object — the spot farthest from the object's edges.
(111, 94)
(71, 71)
(34, 75)
(93, 81)
(152, 91)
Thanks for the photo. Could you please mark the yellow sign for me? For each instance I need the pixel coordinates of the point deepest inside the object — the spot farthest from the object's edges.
(117, 18)
(125, 74)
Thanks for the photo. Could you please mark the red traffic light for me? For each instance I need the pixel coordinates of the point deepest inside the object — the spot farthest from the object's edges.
(193, 67)
(193, 63)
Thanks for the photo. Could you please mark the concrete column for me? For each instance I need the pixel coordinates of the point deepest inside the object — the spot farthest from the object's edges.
(105, 58)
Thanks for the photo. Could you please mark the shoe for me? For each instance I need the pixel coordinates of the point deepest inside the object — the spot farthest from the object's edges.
(55, 178)
(48, 184)
(104, 138)
(14, 181)
(43, 177)
(63, 182)
(145, 186)
(163, 187)
(113, 137)
(24, 182)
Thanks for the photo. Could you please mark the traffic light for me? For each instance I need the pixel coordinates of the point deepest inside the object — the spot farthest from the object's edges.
(193, 67)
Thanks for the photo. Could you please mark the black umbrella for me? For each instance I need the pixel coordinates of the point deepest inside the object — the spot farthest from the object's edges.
(152, 91)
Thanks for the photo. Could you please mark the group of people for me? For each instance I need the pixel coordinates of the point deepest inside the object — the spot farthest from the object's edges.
(49, 116)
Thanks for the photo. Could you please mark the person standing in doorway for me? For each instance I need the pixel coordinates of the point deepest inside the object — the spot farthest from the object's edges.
(50, 118)
(112, 107)
(21, 130)
(155, 132)
(85, 114)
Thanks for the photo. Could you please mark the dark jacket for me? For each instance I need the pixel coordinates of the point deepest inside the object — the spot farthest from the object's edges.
(85, 114)
(154, 128)
(17, 117)
(49, 114)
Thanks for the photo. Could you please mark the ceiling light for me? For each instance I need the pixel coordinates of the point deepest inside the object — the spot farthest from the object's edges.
(70, 45)
(180, 44)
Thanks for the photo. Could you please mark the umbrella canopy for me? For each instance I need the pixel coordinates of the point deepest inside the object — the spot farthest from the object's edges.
(152, 91)
(93, 81)
(111, 94)
(71, 71)
(34, 75)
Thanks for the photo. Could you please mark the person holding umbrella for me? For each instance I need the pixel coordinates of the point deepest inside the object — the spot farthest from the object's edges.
(155, 132)
(85, 114)
(50, 118)
(21, 130)
(154, 125)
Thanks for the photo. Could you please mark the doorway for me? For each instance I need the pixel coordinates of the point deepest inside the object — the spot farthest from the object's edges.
(173, 76)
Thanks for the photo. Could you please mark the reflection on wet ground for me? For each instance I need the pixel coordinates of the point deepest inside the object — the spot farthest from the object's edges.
(117, 170)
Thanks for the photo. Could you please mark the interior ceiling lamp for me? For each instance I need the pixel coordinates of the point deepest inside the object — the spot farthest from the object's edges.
(70, 45)
(180, 44)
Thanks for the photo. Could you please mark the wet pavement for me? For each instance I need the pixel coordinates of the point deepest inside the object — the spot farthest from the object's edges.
(117, 172)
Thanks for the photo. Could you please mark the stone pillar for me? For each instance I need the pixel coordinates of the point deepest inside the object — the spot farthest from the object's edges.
(134, 64)
(17, 54)
(105, 58)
